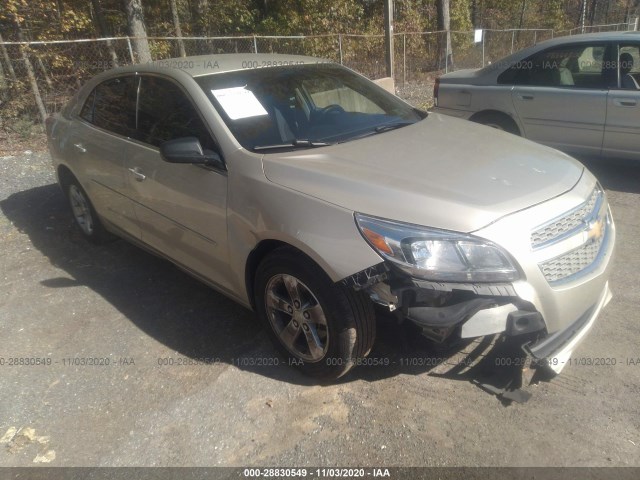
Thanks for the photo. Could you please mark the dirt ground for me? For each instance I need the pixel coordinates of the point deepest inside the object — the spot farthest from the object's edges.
(112, 357)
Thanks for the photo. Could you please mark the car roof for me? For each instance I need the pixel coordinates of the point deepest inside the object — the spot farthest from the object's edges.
(498, 66)
(200, 65)
(589, 37)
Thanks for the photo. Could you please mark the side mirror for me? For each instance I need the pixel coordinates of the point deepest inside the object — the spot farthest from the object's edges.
(189, 150)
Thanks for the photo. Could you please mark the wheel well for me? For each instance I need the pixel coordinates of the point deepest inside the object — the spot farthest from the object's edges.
(262, 250)
(477, 117)
(65, 176)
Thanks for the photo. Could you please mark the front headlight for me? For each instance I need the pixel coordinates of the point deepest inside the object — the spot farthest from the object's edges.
(437, 255)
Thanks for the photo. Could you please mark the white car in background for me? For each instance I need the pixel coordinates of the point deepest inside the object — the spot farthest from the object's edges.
(579, 94)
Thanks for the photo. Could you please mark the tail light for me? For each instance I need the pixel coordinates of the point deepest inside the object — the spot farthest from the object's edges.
(436, 87)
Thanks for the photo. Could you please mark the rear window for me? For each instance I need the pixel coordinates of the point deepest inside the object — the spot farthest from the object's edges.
(112, 106)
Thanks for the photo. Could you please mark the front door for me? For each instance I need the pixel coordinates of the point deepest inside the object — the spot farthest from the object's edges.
(181, 208)
(622, 131)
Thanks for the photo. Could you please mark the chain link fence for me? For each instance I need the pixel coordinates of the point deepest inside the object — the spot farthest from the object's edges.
(37, 78)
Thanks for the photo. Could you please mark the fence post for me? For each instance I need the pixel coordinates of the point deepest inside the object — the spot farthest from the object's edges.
(513, 39)
(130, 50)
(446, 57)
(635, 24)
(340, 47)
(404, 59)
(484, 34)
(255, 44)
(388, 36)
(535, 37)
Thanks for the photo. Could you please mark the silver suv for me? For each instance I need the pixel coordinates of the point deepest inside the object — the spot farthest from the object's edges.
(307, 193)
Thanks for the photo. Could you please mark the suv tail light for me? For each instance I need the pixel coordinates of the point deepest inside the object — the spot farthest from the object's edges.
(436, 87)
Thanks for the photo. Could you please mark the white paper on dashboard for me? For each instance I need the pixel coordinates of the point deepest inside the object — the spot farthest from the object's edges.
(238, 102)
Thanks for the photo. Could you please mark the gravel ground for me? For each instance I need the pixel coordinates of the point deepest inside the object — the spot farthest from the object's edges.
(62, 300)
(419, 94)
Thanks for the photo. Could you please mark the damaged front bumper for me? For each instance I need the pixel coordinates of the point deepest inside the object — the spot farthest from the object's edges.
(452, 311)
(556, 349)
(565, 265)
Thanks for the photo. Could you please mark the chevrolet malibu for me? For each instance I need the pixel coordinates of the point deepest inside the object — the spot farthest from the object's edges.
(580, 94)
(307, 193)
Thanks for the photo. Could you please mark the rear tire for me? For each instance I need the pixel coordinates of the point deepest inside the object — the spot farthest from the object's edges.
(85, 216)
(323, 328)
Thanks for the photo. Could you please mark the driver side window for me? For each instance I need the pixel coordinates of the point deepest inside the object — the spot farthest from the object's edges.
(629, 66)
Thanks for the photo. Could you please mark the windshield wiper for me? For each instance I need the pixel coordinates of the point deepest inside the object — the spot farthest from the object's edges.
(292, 144)
(392, 126)
(379, 129)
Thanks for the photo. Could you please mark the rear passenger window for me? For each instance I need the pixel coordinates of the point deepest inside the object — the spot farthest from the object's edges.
(112, 106)
(580, 66)
(166, 113)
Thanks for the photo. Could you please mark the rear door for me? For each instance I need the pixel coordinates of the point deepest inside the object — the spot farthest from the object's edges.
(98, 141)
(181, 207)
(622, 131)
(560, 96)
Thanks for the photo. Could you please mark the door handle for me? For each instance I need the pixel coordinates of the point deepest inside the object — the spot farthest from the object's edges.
(140, 177)
(625, 103)
(80, 147)
(523, 96)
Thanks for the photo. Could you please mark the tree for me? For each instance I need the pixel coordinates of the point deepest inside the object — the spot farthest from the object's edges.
(475, 20)
(137, 30)
(31, 74)
(444, 24)
(104, 30)
(202, 18)
(592, 11)
(176, 25)
(5, 56)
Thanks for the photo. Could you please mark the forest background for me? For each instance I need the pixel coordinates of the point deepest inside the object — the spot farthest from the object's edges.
(42, 60)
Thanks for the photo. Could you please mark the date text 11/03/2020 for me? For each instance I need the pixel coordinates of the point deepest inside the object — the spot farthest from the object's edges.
(316, 472)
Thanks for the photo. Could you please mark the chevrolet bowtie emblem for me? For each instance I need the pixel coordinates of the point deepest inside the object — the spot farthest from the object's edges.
(595, 230)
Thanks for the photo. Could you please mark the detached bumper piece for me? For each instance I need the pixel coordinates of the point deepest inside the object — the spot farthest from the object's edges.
(476, 318)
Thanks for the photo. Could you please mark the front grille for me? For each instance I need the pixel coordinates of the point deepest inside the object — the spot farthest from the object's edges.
(572, 262)
(590, 221)
(573, 219)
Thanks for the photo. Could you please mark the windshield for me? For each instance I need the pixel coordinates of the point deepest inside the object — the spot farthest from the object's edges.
(303, 106)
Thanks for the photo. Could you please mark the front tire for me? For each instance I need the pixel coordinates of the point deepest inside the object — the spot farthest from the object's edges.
(321, 327)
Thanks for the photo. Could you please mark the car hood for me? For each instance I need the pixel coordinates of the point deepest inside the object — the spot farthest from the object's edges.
(441, 172)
